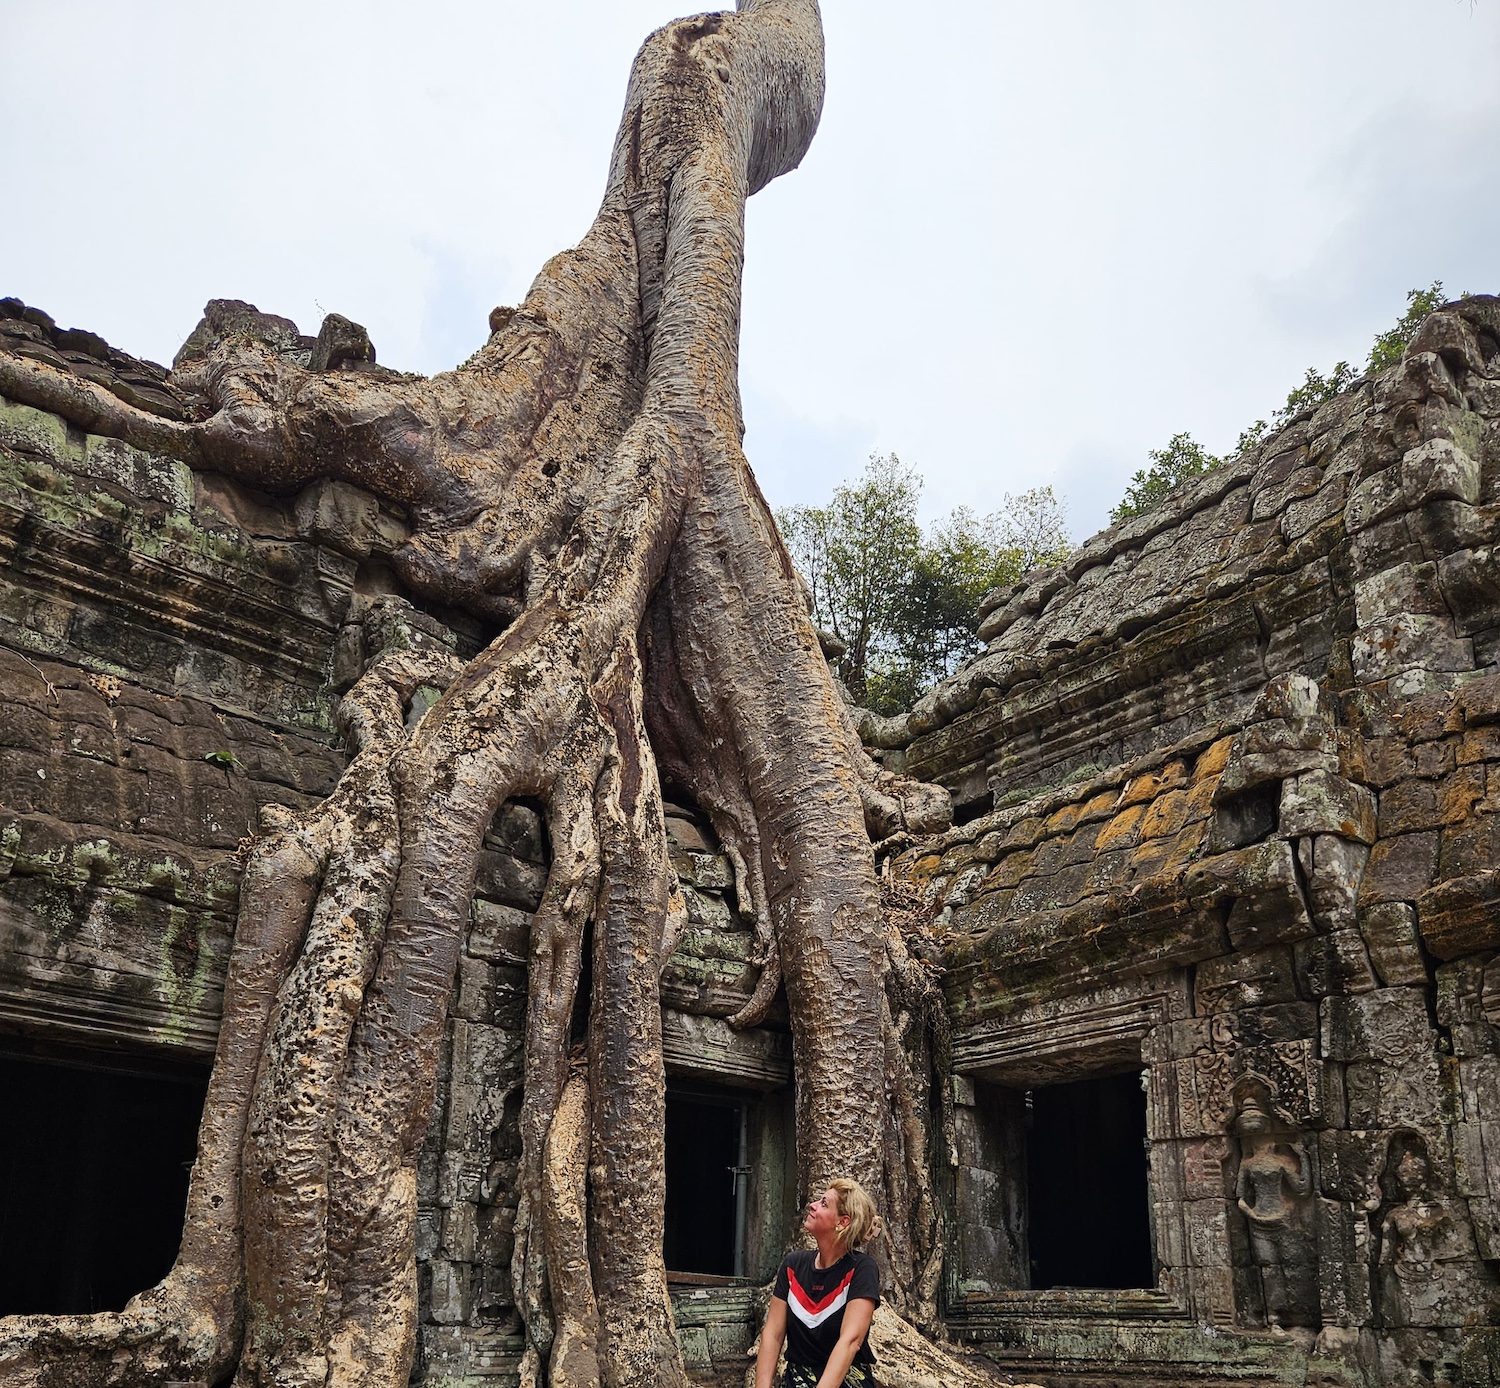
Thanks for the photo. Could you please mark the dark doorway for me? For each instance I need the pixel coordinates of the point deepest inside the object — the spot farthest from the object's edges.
(705, 1185)
(1087, 1183)
(93, 1183)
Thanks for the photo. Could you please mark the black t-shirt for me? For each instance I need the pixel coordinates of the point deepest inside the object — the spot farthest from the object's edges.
(815, 1300)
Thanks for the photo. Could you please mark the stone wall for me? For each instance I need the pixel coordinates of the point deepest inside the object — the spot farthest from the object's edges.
(1230, 776)
(172, 648)
(1228, 789)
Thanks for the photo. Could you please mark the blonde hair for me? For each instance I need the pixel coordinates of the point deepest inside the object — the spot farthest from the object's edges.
(859, 1209)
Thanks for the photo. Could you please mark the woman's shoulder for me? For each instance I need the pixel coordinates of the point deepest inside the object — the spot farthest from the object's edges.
(865, 1272)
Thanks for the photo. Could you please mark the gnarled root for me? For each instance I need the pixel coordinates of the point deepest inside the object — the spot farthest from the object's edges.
(583, 467)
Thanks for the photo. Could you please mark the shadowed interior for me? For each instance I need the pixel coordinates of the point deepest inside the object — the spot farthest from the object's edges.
(93, 1182)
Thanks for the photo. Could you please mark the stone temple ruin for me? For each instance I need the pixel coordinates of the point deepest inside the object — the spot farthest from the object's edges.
(1219, 915)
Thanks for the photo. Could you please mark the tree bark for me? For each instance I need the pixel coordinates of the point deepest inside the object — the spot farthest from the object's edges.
(580, 484)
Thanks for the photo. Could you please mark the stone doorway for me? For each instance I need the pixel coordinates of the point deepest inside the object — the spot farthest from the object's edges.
(707, 1174)
(1089, 1222)
(94, 1166)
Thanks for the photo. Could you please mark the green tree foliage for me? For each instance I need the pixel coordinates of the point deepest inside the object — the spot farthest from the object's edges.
(1183, 458)
(857, 555)
(1180, 461)
(1390, 344)
(904, 604)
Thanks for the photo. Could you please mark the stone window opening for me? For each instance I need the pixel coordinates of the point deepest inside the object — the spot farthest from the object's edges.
(1053, 1187)
(1088, 1194)
(731, 1185)
(93, 1177)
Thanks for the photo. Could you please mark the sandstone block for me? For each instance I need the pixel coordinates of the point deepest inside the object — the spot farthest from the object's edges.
(1470, 846)
(1291, 697)
(1206, 1168)
(1461, 916)
(458, 1232)
(498, 934)
(1408, 641)
(1386, 1096)
(507, 879)
(1478, 745)
(1286, 1028)
(1404, 587)
(1166, 815)
(1470, 581)
(1319, 802)
(348, 518)
(1420, 375)
(1335, 963)
(1123, 831)
(1451, 338)
(1374, 499)
(1400, 868)
(1262, 884)
(1480, 700)
(1389, 1025)
(1328, 501)
(1271, 752)
(1272, 499)
(1350, 1162)
(1450, 527)
(1384, 543)
(1390, 933)
(1439, 470)
(450, 1292)
(1244, 979)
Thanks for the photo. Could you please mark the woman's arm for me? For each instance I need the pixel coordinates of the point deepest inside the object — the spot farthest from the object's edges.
(771, 1337)
(856, 1326)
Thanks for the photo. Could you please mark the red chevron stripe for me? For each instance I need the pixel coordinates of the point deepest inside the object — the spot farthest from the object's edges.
(813, 1307)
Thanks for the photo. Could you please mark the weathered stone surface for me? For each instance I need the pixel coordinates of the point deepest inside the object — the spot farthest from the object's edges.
(1342, 839)
(1390, 933)
(1232, 775)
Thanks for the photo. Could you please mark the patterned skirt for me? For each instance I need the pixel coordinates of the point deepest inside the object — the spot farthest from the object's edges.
(800, 1376)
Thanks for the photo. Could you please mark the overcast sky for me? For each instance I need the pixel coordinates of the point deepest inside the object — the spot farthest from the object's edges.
(1031, 240)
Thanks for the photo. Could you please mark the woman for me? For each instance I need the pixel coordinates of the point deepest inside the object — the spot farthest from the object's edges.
(823, 1299)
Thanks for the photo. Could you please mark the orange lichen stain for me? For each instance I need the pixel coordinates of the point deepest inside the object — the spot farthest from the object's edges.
(1213, 759)
(1150, 858)
(924, 868)
(1024, 833)
(1122, 831)
(1151, 783)
(1186, 848)
(1479, 745)
(1008, 872)
(1166, 815)
(1100, 806)
(1060, 821)
(1459, 794)
(1200, 799)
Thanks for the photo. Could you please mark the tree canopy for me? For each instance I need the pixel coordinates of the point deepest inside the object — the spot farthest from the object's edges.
(902, 604)
(1184, 458)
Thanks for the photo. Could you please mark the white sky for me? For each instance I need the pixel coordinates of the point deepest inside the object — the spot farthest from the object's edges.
(1031, 241)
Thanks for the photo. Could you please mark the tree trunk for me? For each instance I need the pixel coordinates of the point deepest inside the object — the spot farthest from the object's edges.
(579, 484)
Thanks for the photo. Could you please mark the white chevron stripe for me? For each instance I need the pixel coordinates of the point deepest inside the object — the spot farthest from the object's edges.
(813, 1319)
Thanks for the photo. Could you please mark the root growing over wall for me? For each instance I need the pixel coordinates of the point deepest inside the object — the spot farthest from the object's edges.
(580, 486)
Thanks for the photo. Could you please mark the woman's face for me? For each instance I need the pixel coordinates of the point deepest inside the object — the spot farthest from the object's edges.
(823, 1217)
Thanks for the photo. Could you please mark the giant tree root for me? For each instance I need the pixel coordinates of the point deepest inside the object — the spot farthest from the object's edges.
(579, 485)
